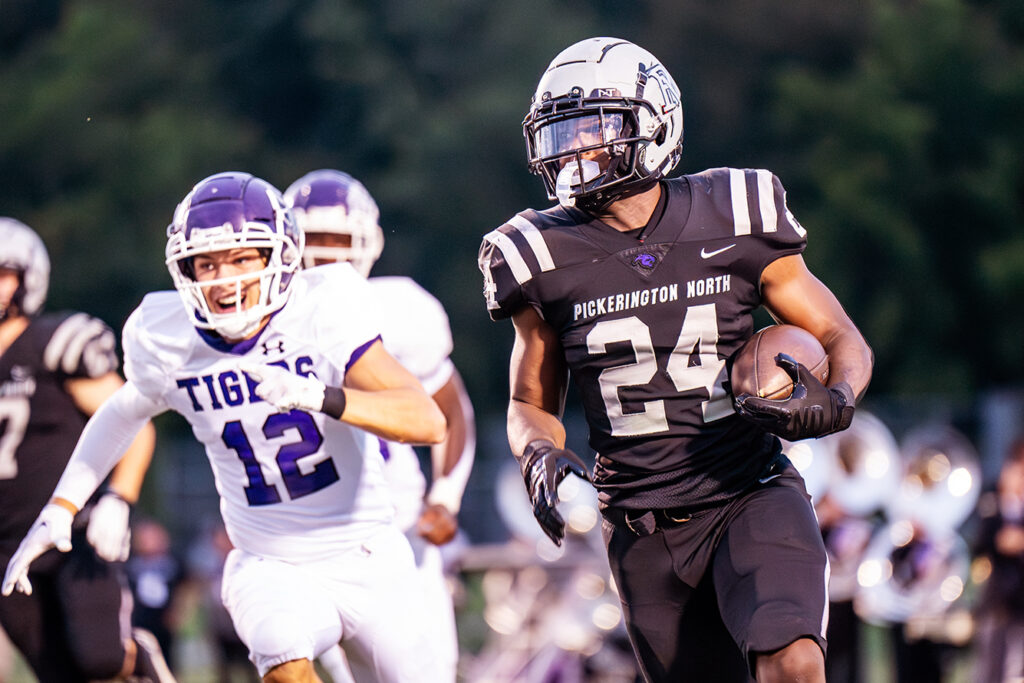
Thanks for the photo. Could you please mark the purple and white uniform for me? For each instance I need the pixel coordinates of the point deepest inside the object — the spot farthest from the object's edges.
(317, 559)
(415, 330)
(274, 471)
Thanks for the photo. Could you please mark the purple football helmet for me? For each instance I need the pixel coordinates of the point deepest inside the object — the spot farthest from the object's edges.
(229, 211)
(22, 250)
(332, 202)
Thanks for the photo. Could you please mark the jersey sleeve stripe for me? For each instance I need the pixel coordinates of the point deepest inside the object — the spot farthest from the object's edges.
(513, 258)
(90, 335)
(68, 341)
(358, 353)
(740, 209)
(800, 230)
(766, 200)
(535, 240)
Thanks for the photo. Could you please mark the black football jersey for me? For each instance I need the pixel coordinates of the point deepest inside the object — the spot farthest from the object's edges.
(39, 422)
(647, 322)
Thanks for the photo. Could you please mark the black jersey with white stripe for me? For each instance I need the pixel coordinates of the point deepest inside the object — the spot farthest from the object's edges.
(647, 321)
(39, 422)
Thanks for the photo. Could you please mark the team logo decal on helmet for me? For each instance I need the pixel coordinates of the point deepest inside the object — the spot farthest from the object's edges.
(330, 202)
(22, 250)
(606, 121)
(231, 211)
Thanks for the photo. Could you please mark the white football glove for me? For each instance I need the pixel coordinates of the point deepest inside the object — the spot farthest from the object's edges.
(108, 531)
(51, 528)
(285, 390)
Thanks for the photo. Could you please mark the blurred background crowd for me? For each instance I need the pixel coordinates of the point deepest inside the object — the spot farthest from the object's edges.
(894, 124)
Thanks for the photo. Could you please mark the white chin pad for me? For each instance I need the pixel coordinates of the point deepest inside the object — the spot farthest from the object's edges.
(569, 183)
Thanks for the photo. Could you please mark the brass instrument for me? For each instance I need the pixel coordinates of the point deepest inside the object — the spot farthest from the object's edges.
(850, 476)
(917, 566)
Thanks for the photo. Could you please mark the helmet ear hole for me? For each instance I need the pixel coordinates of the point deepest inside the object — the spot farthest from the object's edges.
(659, 137)
(188, 268)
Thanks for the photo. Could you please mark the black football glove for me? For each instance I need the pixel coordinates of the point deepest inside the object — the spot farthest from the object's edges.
(544, 467)
(812, 410)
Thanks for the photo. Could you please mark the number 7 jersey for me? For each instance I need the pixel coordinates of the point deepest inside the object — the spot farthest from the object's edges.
(647, 321)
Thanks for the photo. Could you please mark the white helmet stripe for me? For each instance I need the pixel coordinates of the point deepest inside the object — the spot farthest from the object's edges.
(740, 209)
(766, 200)
(536, 241)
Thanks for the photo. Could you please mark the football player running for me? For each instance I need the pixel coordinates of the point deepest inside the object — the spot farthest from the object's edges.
(341, 223)
(641, 288)
(279, 373)
(55, 371)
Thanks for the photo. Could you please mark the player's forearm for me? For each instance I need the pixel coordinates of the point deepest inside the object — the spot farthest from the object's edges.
(850, 360)
(528, 423)
(104, 440)
(403, 414)
(460, 441)
(452, 459)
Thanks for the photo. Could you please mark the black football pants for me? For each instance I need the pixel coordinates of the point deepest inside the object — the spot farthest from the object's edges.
(702, 598)
(71, 628)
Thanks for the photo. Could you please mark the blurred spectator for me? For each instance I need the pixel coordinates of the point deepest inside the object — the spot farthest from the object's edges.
(999, 637)
(154, 575)
(206, 564)
(845, 539)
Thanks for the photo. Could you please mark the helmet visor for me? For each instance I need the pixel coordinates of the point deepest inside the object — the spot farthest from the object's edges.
(579, 133)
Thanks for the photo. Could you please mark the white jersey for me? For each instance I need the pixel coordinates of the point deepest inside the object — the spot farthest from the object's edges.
(293, 485)
(415, 330)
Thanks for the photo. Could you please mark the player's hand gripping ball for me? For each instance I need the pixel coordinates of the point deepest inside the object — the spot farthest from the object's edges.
(778, 382)
(755, 372)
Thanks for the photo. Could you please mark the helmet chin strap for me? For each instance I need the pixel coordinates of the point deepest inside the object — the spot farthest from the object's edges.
(599, 201)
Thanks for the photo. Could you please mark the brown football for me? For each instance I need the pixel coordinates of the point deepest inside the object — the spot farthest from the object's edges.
(754, 370)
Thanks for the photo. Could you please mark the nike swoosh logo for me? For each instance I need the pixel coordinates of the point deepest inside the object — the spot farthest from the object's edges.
(708, 254)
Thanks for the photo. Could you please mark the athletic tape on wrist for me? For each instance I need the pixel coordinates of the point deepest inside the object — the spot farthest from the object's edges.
(334, 402)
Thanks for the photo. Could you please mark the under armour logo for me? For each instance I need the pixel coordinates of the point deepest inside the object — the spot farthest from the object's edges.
(279, 347)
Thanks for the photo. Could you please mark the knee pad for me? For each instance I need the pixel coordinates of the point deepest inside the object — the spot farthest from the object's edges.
(284, 634)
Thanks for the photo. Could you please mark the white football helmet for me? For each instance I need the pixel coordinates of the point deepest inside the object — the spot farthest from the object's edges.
(605, 122)
(230, 211)
(332, 202)
(21, 249)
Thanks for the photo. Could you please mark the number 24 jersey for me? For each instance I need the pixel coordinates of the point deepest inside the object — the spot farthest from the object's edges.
(647, 326)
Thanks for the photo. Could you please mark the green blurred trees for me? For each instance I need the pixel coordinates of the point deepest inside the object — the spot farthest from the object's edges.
(909, 169)
(894, 125)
